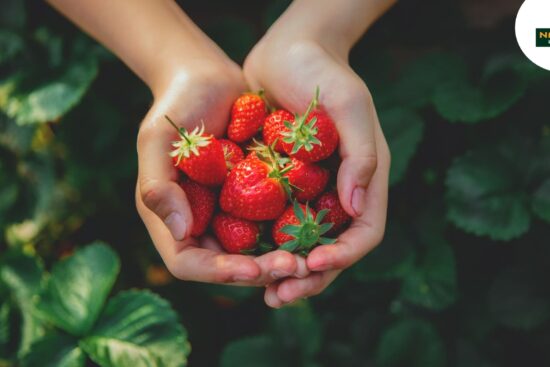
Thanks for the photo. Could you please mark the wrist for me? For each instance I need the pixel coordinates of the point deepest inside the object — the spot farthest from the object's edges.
(185, 67)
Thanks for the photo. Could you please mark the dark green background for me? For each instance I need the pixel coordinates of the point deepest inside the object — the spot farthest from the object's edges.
(461, 278)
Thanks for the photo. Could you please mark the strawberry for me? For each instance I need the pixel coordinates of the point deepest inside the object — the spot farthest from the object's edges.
(199, 155)
(311, 137)
(255, 190)
(232, 152)
(235, 234)
(299, 229)
(202, 202)
(274, 125)
(307, 179)
(336, 214)
(247, 116)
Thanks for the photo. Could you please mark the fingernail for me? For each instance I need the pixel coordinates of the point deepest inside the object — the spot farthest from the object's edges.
(175, 223)
(278, 274)
(358, 200)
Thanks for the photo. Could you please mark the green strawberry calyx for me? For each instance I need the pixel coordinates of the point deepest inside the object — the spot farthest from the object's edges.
(308, 232)
(189, 142)
(302, 133)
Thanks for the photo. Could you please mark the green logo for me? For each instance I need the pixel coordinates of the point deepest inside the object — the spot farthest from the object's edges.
(543, 37)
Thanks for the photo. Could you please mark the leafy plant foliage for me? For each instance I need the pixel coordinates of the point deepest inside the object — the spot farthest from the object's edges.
(460, 278)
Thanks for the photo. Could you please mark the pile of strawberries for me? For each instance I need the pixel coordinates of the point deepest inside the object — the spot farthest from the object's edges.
(275, 195)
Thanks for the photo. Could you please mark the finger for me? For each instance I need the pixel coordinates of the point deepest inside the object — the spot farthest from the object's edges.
(270, 296)
(275, 265)
(355, 118)
(366, 231)
(302, 270)
(188, 262)
(293, 289)
(157, 179)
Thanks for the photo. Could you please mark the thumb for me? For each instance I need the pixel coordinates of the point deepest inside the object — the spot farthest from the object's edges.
(157, 185)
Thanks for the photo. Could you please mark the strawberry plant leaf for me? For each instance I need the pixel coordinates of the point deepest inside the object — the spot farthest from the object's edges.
(11, 45)
(519, 299)
(392, 259)
(413, 343)
(432, 283)
(55, 350)
(463, 102)
(420, 79)
(139, 329)
(297, 329)
(484, 194)
(23, 276)
(49, 100)
(77, 288)
(541, 201)
(5, 329)
(404, 130)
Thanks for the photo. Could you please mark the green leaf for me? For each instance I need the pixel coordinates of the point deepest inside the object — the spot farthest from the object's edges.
(464, 102)
(420, 80)
(412, 343)
(77, 288)
(23, 274)
(432, 284)
(297, 329)
(29, 99)
(253, 352)
(11, 45)
(404, 130)
(392, 259)
(55, 350)
(519, 298)
(485, 197)
(540, 202)
(138, 328)
(5, 329)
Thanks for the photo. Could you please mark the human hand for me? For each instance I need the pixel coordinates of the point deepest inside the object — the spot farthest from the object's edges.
(289, 67)
(200, 92)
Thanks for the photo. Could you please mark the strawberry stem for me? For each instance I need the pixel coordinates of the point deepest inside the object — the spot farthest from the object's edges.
(181, 130)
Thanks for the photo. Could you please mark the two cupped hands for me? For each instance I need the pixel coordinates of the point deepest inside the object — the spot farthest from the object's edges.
(202, 87)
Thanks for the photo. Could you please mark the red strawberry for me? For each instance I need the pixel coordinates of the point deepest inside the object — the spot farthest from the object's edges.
(199, 155)
(308, 179)
(311, 137)
(274, 125)
(247, 116)
(299, 229)
(236, 235)
(336, 215)
(255, 190)
(202, 202)
(232, 152)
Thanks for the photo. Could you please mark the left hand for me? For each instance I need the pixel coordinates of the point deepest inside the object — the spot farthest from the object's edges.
(289, 70)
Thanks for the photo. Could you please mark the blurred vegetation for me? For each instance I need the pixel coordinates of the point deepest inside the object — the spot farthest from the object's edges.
(460, 279)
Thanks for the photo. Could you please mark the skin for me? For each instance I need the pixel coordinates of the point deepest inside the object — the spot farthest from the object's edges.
(308, 46)
(192, 80)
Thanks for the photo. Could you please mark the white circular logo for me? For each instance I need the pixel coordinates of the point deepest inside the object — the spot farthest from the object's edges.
(533, 31)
